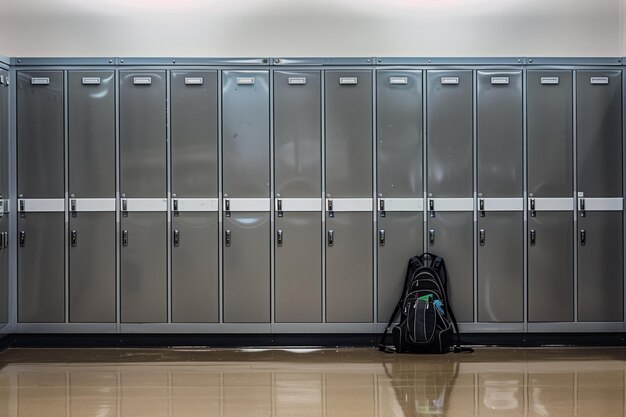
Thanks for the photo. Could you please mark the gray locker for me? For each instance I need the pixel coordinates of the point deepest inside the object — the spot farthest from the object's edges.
(348, 112)
(40, 268)
(349, 268)
(143, 134)
(549, 129)
(92, 267)
(550, 267)
(451, 235)
(4, 269)
(91, 132)
(40, 150)
(143, 268)
(247, 267)
(500, 133)
(298, 267)
(400, 236)
(501, 267)
(245, 134)
(195, 267)
(449, 133)
(194, 121)
(599, 133)
(4, 136)
(600, 267)
(297, 134)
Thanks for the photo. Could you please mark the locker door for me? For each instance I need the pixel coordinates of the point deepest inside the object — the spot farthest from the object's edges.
(143, 268)
(92, 267)
(298, 267)
(245, 136)
(91, 133)
(4, 270)
(40, 170)
(349, 268)
(400, 236)
(247, 267)
(297, 134)
(399, 136)
(449, 137)
(550, 267)
(194, 133)
(142, 134)
(4, 136)
(501, 267)
(500, 134)
(41, 258)
(348, 134)
(195, 267)
(451, 236)
(600, 268)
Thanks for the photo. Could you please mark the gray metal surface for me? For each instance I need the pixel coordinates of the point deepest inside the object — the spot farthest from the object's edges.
(550, 135)
(41, 269)
(298, 268)
(297, 134)
(143, 135)
(194, 121)
(4, 271)
(500, 133)
(91, 133)
(92, 268)
(143, 275)
(245, 134)
(348, 114)
(40, 147)
(247, 268)
(449, 134)
(454, 241)
(599, 134)
(600, 267)
(399, 133)
(195, 272)
(4, 137)
(349, 268)
(551, 267)
(403, 234)
(501, 267)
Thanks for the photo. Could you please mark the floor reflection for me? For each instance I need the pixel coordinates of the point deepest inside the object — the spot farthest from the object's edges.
(293, 383)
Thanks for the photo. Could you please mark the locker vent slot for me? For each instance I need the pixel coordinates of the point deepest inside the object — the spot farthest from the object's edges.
(398, 80)
(297, 80)
(549, 80)
(91, 80)
(40, 81)
(348, 80)
(142, 80)
(450, 80)
(599, 80)
(194, 80)
(500, 80)
(245, 80)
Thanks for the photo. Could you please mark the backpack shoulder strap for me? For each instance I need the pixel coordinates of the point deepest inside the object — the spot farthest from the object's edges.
(458, 348)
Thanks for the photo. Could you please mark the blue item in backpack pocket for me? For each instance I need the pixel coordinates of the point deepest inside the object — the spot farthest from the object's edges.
(439, 306)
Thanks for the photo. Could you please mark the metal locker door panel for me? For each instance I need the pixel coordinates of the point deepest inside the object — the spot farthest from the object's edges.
(297, 134)
(143, 268)
(41, 268)
(4, 138)
(247, 267)
(550, 135)
(4, 270)
(600, 267)
(91, 132)
(245, 135)
(298, 267)
(92, 267)
(551, 267)
(143, 134)
(500, 133)
(349, 268)
(501, 267)
(195, 267)
(348, 127)
(40, 150)
(400, 236)
(451, 236)
(194, 122)
(399, 137)
(449, 133)
(599, 133)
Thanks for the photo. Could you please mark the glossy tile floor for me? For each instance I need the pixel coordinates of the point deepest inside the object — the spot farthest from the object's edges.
(307, 382)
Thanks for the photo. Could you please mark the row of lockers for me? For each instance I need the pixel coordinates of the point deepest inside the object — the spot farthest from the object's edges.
(324, 158)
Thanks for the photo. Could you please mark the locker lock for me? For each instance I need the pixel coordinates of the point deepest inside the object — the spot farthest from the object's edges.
(381, 237)
(431, 237)
(73, 207)
(482, 237)
(533, 213)
(381, 208)
(331, 238)
(22, 238)
(227, 237)
(329, 206)
(176, 237)
(581, 207)
(481, 207)
(22, 205)
(124, 207)
(175, 207)
(533, 237)
(583, 237)
(125, 238)
(74, 238)
(279, 237)
(227, 207)
(431, 207)
(279, 207)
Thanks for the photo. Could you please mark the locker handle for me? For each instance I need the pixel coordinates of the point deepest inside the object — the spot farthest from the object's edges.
(431, 237)
(124, 237)
(382, 205)
(227, 207)
(583, 237)
(279, 207)
(331, 238)
(431, 207)
(124, 207)
(533, 237)
(74, 237)
(279, 237)
(227, 237)
(481, 207)
(5, 239)
(22, 205)
(482, 237)
(330, 204)
(73, 205)
(533, 213)
(176, 237)
(175, 206)
(22, 238)
(381, 237)
(582, 207)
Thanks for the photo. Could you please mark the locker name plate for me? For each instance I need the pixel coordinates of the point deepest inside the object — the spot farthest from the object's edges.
(91, 81)
(40, 81)
(142, 80)
(500, 80)
(599, 80)
(297, 80)
(194, 80)
(549, 80)
(450, 80)
(245, 80)
(398, 80)
(348, 80)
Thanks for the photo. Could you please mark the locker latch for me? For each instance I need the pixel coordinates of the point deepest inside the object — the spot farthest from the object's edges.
(533, 213)
(22, 238)
(22, 205)
(329, 206)
(124, 207)
(381, 237)
(227, 207)
(5, 239)
(331, 237)
(279, 237)
(73, 207)
(533, 237)
(583, 237)
(482, 237)
(227, 237)
(74, 237)
(431, 237)
(581, 207)
(431, 207)
(175, 207)
(381, 208)
(481, 207)
(125, 238)
(176, 237)
(279, 207)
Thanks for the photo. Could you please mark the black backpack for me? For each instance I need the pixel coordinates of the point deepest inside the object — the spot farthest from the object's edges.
(427, 323)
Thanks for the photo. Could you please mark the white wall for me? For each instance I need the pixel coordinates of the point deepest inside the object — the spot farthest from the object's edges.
(312, 28)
